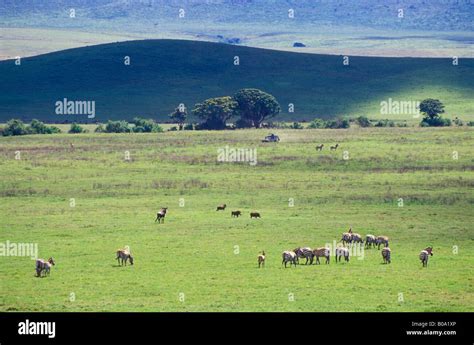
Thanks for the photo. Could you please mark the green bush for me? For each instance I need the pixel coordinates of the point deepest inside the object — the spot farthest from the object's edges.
(385, 123)
(337, 123)
(363, 121)
(435, 122)
(173, 129)
(317, 123)
(100, 129)
(296, 125)
(189, 127)
(117, 127)
(75, 128)
(145, 126)
(15, 127)
(470, 123)
(38, 127)
(458, 122)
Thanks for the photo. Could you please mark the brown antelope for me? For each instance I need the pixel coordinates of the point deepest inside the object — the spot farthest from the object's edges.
(322, 252)
(160, 216)
(123, 255)
(261, 259)
(44, 265)
(319, 147)
(381, 239)
(386, 254)
(236, 214)
(288, 256)
(346, 238)
(255, 215)
(334, 148)
(342, 252)
(221, 207)
(425, 254)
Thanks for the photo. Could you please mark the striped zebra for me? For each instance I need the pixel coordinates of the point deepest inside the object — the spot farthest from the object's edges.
(288, 256)
(342, 252)
(261, 259)
(305, 252)
(381, 239)
(386, 254)
(44, 266)
(346, 238)
(123, 255)
(322, 252)
(370, 241)
(356, 238)
(425, 254)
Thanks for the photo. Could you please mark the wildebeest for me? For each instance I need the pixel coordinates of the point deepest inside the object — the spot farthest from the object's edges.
(319, 147)
(425, 254)
(356, 238)
(221, 207)
(306, 253)
(160, 216)
(261, 259)
(342, 252)
(381, 239)
(236, 214)
(44, 265)
(386, 254)
(254, 215)
(123, 255)
(322, 252)
(346, 238)
(334, 147)
(288, 256)
(369, 241)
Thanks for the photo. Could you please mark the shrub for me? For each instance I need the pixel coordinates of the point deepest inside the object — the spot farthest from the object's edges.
(385, 123)
(337, 123)
(75, 128)
(296, 125)
(38, 127)
(15, 127)
(117, 127)
(435, 122)
(470, 123)
(243, 123)
(363, 121)
(458, 122)
(145, 125)
(278, 125)
(189, 127)
(173, 129)
(100, 129)
(317, 123)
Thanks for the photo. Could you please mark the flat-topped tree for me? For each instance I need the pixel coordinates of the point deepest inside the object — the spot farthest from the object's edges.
(215, 112)
(254, 106)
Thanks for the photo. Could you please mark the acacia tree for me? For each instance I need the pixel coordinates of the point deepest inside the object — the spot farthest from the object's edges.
(432, 108)
(179, 115)
(215, 112)
(254, 106)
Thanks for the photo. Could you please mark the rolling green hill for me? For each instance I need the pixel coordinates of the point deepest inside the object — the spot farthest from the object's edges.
(164, 73)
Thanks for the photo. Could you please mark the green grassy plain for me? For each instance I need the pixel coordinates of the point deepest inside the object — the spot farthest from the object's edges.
(194, 252)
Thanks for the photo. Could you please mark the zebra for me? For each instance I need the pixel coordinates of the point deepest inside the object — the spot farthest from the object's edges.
(161, 215)
(386, 254)
(261, 259)
(288, 256)
(425, 254)
(325, 252)
(44, 265)
(123, 255)
(356, 238)
(305, 252)
(340, 252)
(381, 239)
(346, 238)
(370, 241)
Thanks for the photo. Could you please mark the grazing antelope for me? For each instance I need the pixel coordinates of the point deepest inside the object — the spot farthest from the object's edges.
(356, 238)
(160, 216)
(322, 252)
(221, 207)
(72, 146)
(425, 254)
(44, 265)
(123, 255)
(319, 147)
(334, 148)
(305, 252)
(370, 241)
(386, 253)
(236, 214)
(342, 252)
(346, 238)
(261, 259)
(381, 239)
(288, 256)
(255, 215)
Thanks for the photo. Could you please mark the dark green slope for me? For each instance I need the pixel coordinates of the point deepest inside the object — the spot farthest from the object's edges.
(164, 73)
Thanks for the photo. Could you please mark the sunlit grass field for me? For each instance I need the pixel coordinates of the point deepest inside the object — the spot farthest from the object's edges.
(204, 260)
